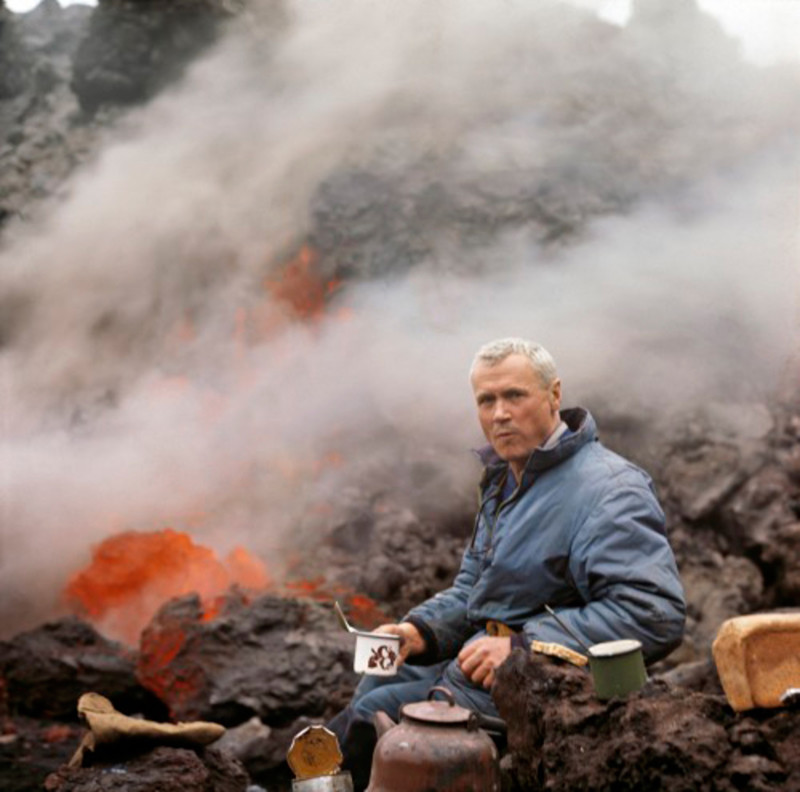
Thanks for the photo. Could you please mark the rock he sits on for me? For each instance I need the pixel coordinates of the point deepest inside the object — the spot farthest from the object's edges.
(561, 737)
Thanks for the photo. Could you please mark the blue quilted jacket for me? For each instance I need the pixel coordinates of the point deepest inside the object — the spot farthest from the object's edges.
(583, 533)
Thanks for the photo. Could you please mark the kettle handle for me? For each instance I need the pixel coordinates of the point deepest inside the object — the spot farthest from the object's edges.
(448, 694)
(472, 722)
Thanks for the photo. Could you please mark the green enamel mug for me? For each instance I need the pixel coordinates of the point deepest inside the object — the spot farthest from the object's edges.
(617, 668)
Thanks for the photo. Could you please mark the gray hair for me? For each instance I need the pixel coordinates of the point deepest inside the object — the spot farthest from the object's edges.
(496, 351)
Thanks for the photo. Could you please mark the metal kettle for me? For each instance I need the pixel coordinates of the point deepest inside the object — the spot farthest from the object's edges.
(437, 745)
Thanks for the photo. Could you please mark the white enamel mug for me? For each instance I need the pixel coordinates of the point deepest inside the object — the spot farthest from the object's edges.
(376, 653)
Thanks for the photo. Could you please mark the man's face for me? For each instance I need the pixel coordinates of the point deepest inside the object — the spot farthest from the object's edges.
(517, 413)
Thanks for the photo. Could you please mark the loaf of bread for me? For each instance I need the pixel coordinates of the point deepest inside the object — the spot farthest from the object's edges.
(758, 658)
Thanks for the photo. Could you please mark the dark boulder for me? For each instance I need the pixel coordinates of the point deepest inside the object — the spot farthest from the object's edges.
(392, 553)
(563, 738)
(42, 139)
(15, 60)
(731, 493)
(276, 658)
(135, 47)
(666, 737)
(31, 749)
(45, 671)
(163, 769)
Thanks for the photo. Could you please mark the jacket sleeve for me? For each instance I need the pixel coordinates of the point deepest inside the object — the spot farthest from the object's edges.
(442, 619)
(624, 570)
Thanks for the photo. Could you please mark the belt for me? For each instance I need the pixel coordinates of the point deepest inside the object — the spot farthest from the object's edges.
(498, 629)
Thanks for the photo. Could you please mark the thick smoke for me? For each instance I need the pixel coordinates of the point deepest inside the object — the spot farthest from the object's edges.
(629, 202)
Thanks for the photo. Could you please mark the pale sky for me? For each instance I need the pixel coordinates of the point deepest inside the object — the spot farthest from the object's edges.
(768, 29)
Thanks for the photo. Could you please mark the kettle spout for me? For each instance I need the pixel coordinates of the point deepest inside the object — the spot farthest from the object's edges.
(382, 723)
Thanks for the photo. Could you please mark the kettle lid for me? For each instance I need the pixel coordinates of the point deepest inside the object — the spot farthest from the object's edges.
(442, 712)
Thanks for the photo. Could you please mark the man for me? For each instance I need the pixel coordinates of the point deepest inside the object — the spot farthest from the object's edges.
(562, 522)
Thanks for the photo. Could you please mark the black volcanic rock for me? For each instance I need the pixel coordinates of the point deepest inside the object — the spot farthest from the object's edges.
(31, 749)
(42, 134)
(276, 658)
(15, 61)
(46, 670)
(662, 738)
(134, 47)
(163, 769)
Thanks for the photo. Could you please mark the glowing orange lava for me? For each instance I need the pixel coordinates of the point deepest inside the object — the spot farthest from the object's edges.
(300, 287)
(364, 612)
(132, 574)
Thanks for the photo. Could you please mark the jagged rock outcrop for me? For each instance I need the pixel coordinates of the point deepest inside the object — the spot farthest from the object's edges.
(43, 136)
(265, 669)
(662, 738)
(164, 769)
(731, 495)
(43, 672)
(14, 60)
(135, 47)
(386, 551)
(275, 658)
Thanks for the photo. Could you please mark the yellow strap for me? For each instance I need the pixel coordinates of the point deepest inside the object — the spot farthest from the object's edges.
(498, 629)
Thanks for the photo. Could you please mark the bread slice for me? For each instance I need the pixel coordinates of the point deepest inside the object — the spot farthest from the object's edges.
(559, 651)
(758, 658)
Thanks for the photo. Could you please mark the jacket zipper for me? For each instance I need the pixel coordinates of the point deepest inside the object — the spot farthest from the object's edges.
(500, 507)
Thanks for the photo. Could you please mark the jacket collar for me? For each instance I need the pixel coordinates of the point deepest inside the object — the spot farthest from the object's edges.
(583, 430)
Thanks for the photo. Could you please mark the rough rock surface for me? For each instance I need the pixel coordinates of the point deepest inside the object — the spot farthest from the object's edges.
(31, 748)
(45, 671)
(717, 588)
(375, 225)
(163, 769)
(662, 738)
(388, 551)
(262, 750)
(43, 134)
(267, 669)
(734, 519)
(277, 659)
(134, 47)
(14, 60)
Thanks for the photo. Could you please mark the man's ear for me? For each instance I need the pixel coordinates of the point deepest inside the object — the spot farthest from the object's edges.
(554, 394)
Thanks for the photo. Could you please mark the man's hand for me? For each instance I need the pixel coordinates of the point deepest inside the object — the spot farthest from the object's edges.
(479, 659)
(411, 640)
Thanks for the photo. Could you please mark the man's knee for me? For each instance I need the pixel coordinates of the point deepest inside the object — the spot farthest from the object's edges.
(467, 694)
(380, 699)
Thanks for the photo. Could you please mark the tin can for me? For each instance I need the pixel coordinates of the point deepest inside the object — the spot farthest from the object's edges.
(339, 782)
(617, 668)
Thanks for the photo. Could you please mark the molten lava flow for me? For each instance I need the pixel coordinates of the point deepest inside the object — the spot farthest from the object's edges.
(159, 667)
(300, 287)
(132, 574)
(364, 611)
